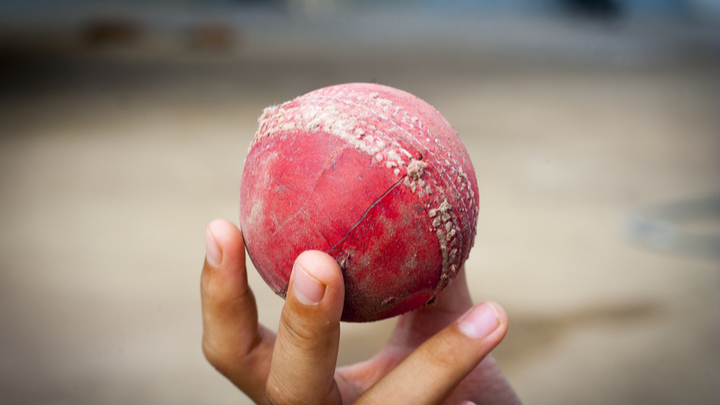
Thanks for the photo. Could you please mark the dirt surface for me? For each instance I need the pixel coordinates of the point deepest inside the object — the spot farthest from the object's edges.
(111, 167)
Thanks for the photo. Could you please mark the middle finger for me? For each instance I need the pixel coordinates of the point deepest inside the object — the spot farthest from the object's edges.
(303, 362)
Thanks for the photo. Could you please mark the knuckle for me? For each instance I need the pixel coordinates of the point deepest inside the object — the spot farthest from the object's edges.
(299, 331)
(274, 399)
(213, 356)
(222, 357)
(279, 395)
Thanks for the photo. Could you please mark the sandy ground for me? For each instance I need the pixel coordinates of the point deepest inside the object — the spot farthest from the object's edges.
(110, 169)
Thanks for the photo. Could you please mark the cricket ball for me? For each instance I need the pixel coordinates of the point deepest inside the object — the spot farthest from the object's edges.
(370, 174)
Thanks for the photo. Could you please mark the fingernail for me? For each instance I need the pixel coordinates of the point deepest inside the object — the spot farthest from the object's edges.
(306, 289)
(213, 255)
(480, 321)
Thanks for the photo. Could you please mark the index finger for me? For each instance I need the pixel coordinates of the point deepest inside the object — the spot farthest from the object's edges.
(233, 341)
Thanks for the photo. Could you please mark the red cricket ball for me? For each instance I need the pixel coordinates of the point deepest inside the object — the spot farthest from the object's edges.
(372, 175)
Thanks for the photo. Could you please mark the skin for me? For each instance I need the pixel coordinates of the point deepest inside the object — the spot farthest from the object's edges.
(428, 360)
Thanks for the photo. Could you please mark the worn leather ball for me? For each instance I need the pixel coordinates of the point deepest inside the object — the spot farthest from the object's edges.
(372, 175)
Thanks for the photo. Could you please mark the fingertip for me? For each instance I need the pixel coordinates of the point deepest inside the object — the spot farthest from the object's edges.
(222, 239)
(502, 317)
(320, 266)
(213, 254)
(224, 269)
(224, 232)
(483, 320)
(486, 321)
(499, 312)
(497, 309)
(306, 288)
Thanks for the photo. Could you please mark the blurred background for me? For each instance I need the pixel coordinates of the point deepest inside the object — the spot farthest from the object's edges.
(593, 125)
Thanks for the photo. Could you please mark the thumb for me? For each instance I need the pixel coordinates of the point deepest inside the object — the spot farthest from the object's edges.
(433, 371)
(305, 354)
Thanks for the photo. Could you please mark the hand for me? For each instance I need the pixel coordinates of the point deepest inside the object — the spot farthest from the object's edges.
(437, 354)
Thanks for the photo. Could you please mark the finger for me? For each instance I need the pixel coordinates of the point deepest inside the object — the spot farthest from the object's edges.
(233, 342)
(431, 373)
(303, 363)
